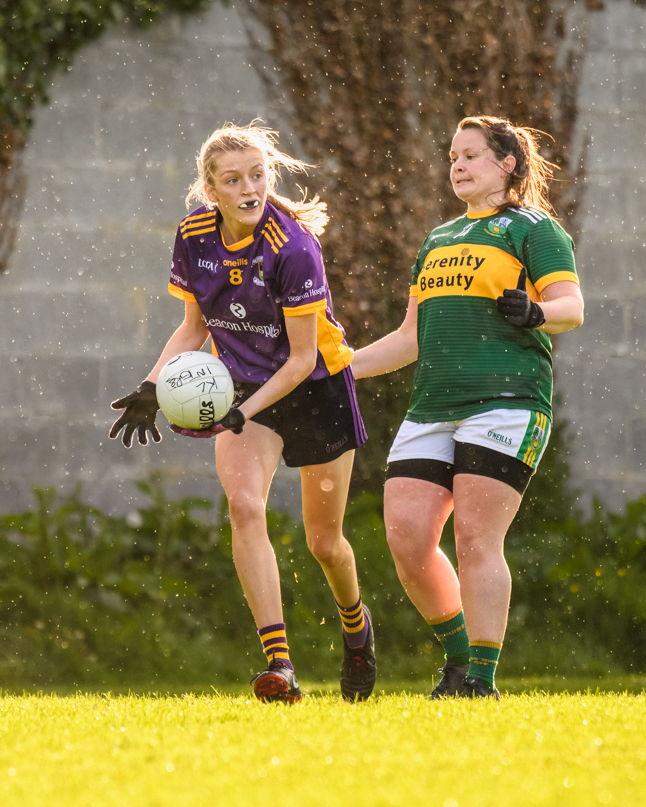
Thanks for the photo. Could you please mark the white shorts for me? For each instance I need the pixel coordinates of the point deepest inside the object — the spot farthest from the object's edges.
(517, 433)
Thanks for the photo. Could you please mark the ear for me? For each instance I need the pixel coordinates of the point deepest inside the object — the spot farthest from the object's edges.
(508, 164)
(210, 193)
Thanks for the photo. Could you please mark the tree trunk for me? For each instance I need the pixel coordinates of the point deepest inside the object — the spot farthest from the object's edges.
(373, 92)
(12, 190)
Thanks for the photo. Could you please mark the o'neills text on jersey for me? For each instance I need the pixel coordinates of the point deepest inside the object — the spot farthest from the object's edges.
(270, 331)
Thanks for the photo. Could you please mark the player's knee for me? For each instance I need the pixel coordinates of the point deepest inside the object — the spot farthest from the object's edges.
(472, 552)
(401, 534)
(245, 509)
(326, 548)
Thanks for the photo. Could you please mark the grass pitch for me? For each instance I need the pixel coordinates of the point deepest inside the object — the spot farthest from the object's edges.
(400, 749)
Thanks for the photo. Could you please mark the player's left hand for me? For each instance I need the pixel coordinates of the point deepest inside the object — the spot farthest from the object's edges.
(517, 308)
(233, 421)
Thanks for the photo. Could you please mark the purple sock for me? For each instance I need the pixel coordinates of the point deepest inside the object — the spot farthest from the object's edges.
(274, 643)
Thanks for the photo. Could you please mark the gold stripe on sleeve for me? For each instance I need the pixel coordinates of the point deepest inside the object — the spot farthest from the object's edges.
(271, 242)
(181, 294)
(196, 221)
(309, 308)
(188, 233)
(554, 277)
(276, 229)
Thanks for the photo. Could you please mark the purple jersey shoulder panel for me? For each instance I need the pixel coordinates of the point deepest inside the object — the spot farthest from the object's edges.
(243, 290)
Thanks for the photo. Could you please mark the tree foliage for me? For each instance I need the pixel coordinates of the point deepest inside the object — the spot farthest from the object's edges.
(93, 599)
(38, 37)
(373, 92)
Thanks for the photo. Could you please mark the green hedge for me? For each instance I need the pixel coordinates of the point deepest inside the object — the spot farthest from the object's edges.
(89, 599)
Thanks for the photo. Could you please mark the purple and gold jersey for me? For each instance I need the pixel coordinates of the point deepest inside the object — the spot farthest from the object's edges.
(245, 291)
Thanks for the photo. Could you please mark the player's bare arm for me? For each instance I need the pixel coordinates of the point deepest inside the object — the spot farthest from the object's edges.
(395, 350)
(191, 335)
(301, 332)
(562, 306)
(141, 406)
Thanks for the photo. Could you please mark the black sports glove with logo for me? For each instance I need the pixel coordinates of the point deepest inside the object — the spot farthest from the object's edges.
(141, 408)
(517, 308)
(233, 421)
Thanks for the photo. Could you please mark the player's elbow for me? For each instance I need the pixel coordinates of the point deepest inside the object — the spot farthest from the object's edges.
(302, 366)
(577, 317)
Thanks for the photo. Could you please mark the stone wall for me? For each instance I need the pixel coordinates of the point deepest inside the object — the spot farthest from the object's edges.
(601, 368)
(84, 309)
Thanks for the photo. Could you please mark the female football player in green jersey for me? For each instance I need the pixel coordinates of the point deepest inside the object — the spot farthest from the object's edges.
(488, 288)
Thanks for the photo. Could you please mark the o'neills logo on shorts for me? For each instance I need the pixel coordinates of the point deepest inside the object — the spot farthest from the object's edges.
(499, 438)
(336, 446)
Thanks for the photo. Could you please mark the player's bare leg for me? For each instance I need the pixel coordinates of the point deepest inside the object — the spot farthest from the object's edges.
(415, 511)
(484, 510)
(246, 464)
(324, 491)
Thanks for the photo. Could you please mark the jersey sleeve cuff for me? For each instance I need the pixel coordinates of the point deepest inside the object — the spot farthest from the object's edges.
(181, 294)
(310, 308)
(414, 292)
(555, 277)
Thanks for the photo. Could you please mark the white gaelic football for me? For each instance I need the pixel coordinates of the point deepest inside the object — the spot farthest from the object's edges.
(194, 390)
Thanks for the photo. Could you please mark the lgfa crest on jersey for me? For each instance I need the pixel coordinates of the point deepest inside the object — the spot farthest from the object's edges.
(498, 227)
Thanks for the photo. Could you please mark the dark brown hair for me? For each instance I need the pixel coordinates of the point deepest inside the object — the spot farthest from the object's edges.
(528, 183)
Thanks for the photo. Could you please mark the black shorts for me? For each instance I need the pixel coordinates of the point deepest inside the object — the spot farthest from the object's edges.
(469, 459)
(318, 421)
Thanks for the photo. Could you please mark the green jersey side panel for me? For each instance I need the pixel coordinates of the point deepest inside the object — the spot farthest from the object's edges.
(471, 359)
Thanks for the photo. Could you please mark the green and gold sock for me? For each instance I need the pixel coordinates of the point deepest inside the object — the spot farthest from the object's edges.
(451, 633)
(483, 660)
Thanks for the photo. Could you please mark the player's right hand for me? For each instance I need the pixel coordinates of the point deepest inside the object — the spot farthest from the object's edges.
(233, 421)
(141, 408)
(517, 308)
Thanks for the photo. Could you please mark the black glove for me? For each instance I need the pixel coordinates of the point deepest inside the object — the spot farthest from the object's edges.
(233, 421)
(517, 308)
(141, 407)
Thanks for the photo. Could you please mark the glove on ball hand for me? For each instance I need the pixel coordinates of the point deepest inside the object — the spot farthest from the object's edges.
(141, 408)
(233, 421)
(517, 308)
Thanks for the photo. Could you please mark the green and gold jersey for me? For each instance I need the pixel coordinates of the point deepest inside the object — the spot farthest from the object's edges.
(471, 359)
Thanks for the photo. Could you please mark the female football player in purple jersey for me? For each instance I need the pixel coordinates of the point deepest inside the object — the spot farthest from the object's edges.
(248, 267)
(488, 288)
